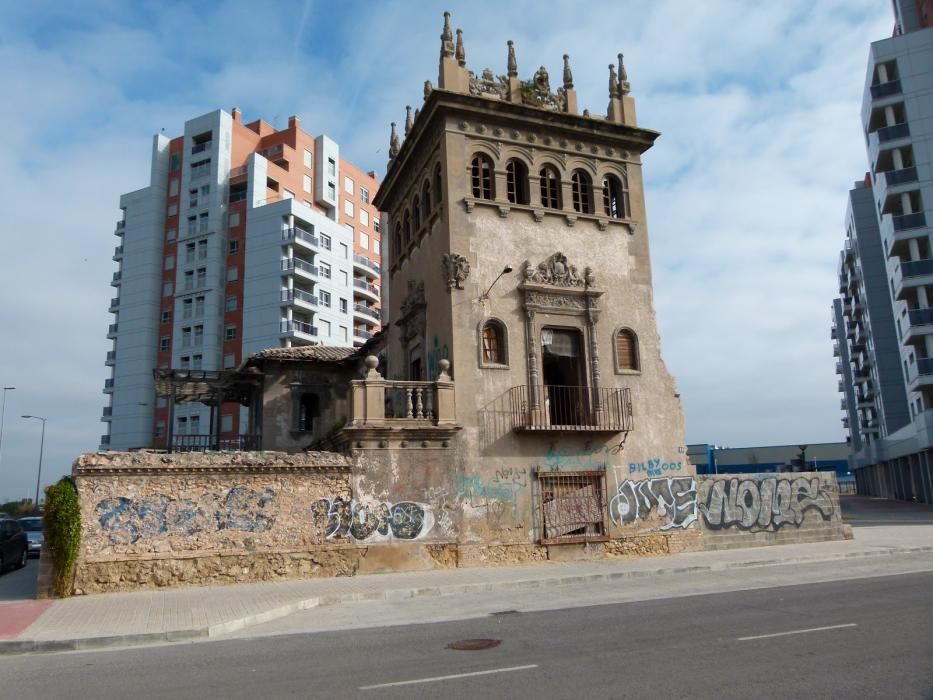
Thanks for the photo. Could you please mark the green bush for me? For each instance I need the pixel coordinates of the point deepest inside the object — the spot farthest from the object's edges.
(62, 532)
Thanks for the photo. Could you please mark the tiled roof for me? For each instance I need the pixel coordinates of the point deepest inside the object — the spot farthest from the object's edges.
(304, 353)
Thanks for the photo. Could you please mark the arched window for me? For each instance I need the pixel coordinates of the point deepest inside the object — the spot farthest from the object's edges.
(493, 343)
(481, 177)
(438, 190)
(425, 200)
(615, 198)
(550, 188)
(627, 350)
(516, 181)
(406, 230)
(582, 187)
(416, 213)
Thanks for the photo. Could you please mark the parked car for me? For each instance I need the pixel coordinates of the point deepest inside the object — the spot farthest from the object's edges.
(13, 545)
(34, 535)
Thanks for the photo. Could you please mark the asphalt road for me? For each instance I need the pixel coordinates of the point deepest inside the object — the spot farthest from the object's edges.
(868, 638)
(19, 584)
(863, 511)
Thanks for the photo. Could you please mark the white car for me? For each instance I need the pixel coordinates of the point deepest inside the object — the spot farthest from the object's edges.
(34, 534)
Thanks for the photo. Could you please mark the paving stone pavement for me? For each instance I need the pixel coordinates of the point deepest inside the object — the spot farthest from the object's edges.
(122, 619)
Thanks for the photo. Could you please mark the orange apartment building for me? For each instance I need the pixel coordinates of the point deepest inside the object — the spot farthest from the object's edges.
(246, 238)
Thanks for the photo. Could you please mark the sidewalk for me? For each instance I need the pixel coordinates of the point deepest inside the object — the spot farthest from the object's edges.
(124, 619)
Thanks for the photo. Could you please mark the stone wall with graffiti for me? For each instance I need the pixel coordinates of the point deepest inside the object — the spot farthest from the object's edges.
(733, 509)
(151, 519)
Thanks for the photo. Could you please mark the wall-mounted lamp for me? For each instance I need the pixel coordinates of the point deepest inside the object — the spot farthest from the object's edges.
(505, 270)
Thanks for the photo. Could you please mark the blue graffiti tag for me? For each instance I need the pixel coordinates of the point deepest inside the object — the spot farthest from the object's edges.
(654, 467)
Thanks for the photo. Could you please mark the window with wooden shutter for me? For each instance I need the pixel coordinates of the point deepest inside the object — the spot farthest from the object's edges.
(626, 350)
(493, 348)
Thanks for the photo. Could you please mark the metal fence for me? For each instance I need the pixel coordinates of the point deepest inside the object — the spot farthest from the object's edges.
(211, 443)
(553, 407)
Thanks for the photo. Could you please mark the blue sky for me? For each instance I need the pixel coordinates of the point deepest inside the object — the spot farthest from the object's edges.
(757, 102)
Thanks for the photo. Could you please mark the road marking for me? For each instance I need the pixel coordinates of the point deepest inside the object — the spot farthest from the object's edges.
(451, 677)
(784, 634)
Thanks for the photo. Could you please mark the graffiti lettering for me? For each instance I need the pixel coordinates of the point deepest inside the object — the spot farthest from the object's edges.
(674, 498)
(503, 487)
(127, 521)
(761, 504)
(372, 521)
(654, 467)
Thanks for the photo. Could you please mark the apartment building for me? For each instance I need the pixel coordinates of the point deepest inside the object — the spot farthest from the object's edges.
(886, 269)
(246, 238)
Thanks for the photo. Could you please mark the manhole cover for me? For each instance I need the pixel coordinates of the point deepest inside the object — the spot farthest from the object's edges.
(474, 644)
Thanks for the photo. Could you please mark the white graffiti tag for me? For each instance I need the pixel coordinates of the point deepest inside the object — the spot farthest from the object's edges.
(674, 498)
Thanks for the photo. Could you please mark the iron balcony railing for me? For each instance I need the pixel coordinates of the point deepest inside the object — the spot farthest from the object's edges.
(570, 408)
(892, 87)
(211, 443)
(296, 233)
(366, 262)
(366, 311)
(299, 264)
(298, 327)
(915, 268)
(289, 295)
(921, 317)
(895, 131)
(363, 284)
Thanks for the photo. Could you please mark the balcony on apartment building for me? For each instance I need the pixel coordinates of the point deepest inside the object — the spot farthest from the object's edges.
(899, 229)
(882, 90)
(301, 331)
(112, 330)
(115, 281)
(300, 299)
(861, 375)
(114, 304)
(107, 414)
(118, 253)
(363, 264)
(111, 358)
(108, 385)
(912, 274)
(851, 329)
(921, 325)
(887, 129)
(920, 377)
(836, 352)
(301, 268)
(120, 228)
(304, 238)
(366, 314)
(361, 335)
(363, 288)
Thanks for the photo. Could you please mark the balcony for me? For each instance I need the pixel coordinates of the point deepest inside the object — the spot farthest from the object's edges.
(120, 229)
(851, 328)
(112, 330)
(897, 177)
(111, 358)
(302, 267)
(237, 197)
(361, 335)
(839, 368)
(366, 314)
(114, 304)
(200, 147)
(843, 404)
(915, 273)
(108, 386)
(298, 330)
(366, 266)
(300, 235)
(105, 441)
(551, 408)
(898, 239)
(849, 249)
(887, 137)
(908, 221)
(118, 253)
(299, 298)
(212, 443)
(364, 289)
(892, 87)
(107, 414)
(422, 406)
(115, 281)
(836, 352)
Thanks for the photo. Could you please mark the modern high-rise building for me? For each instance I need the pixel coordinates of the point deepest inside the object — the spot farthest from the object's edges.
(246, 238)
(883, 323)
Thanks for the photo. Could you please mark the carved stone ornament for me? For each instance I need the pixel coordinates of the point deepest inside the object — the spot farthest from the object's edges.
(556, 271)
(558, 301)
(414, 299)
(537, 91)
(455, 269)
(489, 85)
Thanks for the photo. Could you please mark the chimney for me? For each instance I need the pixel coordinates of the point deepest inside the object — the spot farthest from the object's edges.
(293, 122)
(237, 115)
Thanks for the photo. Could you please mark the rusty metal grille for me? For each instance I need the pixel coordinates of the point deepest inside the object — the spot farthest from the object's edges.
(571, 506)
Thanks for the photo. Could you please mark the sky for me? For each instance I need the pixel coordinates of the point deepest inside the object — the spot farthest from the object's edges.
(757, 102)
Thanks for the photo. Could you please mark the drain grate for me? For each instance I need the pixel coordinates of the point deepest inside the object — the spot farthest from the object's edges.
(474, 644)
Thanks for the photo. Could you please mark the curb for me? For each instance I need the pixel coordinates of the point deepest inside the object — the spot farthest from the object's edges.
(28, 646)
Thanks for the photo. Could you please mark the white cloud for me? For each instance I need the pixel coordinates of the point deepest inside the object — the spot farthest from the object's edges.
(757, 104)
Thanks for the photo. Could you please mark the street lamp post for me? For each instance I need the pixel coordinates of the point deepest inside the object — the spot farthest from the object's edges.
(41, 447)
(2, 412)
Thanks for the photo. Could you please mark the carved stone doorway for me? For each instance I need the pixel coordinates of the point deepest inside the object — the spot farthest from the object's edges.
(563, 371)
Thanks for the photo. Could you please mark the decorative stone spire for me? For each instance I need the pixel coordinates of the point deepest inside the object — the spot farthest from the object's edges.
(513, 64)
(417, 112)
(394, 144)
(624, 86)
(428, 89)
(460, 52)
(568, 75)
(408, 123)
(447, 38)
(613, 83)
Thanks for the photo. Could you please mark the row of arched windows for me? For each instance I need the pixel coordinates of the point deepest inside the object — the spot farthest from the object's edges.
(494, 347)
(612, 200)
(423, 204)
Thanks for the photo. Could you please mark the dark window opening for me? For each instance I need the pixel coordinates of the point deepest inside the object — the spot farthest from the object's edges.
(550, 188)
(615, 198)
(582, 188)
(516, 181)
(308, 411)
(481, 170)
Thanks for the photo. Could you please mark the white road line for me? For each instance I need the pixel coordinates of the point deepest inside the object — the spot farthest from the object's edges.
(451, 677)
(784, 634)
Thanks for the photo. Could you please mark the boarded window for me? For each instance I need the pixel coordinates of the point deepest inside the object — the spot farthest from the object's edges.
(627, 350)
(571, 506)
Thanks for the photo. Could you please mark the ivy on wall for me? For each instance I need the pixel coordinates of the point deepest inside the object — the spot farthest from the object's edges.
(62, 532)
